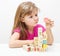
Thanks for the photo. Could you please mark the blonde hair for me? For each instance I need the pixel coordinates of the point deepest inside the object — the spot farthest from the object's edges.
(23, 9)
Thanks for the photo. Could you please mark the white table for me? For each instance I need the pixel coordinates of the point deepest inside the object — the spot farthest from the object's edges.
(53, 50)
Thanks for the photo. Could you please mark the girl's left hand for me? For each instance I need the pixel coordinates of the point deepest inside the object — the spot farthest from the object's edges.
(48, 22)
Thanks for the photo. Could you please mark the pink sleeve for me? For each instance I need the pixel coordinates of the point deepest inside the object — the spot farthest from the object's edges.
(43, 28)
(16, 30)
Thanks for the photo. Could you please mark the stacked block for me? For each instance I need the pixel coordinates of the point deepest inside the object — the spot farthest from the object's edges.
(40, 42)
(42, 39)
(35, 41)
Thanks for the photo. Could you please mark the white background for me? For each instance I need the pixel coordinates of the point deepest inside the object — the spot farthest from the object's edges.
(48, 8)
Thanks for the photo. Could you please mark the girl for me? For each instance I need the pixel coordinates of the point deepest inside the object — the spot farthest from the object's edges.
(25, 26)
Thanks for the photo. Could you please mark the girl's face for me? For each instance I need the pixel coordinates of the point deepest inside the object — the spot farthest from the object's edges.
(31, 20)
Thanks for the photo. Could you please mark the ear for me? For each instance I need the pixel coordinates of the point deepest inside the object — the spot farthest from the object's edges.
(22, 19)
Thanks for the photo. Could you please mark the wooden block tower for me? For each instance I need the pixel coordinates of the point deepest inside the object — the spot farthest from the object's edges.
(40, 37)
(40, 42)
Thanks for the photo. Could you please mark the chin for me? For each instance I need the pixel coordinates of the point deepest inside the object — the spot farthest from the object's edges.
(35, 24)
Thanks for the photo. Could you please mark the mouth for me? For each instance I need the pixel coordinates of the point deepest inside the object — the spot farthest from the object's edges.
(36, 23)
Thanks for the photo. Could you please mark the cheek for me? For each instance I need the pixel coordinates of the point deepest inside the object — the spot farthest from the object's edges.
(26, 21)
(29, 22)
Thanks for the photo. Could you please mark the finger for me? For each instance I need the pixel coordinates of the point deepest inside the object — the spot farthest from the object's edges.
(51, 25)
(51, 22)
(46, 20)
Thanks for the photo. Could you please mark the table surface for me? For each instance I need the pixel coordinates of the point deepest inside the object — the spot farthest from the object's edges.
(53, 50)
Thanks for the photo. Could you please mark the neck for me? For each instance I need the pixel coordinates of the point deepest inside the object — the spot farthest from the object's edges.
(30, 29)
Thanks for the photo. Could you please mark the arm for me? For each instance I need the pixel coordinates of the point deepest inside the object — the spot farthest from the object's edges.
(49, 36)
(49, 25)
(15, 42)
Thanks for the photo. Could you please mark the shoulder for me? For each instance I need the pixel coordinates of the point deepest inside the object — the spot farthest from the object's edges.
(16, 30)
(14, 36)
(16, 33)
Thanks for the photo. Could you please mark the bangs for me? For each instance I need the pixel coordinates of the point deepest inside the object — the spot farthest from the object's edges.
(31, 11)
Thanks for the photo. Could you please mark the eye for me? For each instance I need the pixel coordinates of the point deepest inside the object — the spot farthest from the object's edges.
(30, 16)
(35, 14)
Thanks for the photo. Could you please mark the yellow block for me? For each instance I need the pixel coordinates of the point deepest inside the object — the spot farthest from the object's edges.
(44, 46)
(35, 41)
